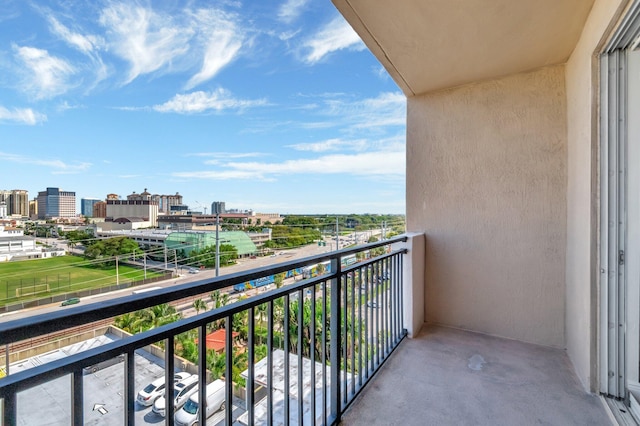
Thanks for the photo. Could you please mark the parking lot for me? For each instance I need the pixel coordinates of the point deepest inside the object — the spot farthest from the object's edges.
(50, 403)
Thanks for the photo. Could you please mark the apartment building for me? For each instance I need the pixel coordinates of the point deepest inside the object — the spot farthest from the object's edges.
(16, 201)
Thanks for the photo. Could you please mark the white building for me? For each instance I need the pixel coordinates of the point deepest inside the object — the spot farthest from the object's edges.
(14, 245)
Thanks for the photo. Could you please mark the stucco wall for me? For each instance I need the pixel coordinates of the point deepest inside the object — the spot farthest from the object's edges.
(582, 203)
(486, 182)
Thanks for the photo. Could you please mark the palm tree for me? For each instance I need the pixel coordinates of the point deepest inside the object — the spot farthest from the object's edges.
(126, 321)
(199, 305)
(216, 363)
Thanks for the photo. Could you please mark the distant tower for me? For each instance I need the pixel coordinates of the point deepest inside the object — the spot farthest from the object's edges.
(217, 207)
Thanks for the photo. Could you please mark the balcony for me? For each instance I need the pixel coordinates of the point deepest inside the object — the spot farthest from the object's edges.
(363, 310)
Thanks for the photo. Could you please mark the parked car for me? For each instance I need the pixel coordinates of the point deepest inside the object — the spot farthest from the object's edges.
(188, 414)
(71, 301)
(181, 393)
(155, 389)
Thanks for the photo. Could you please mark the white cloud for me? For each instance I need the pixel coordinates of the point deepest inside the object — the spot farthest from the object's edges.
(21, 115)
(197, 102)
(222, 40)
(387, 109)
(84, 43)
(146, 40)
(331, 145)
(47, 76)
(336, 35)
(371, 164)
(290, 10)
(58, 166)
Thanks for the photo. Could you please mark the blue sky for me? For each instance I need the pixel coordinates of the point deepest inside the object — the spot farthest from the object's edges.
(275, 106)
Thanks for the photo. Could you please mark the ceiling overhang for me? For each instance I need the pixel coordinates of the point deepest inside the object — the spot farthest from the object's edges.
(429, 45)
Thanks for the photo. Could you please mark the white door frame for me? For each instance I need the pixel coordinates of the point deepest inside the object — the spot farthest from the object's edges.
(619, 324)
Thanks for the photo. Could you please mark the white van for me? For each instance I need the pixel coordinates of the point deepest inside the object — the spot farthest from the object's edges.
(188, 414)
(181, 393)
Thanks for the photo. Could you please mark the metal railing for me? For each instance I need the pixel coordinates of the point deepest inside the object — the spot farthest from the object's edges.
(303, 350)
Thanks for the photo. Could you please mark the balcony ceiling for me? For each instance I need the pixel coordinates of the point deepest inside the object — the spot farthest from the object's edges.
(428, 45)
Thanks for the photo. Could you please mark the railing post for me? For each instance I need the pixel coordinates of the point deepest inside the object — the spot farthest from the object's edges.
(10, 410)
(130, 392)
(334, 342)
(413, 282)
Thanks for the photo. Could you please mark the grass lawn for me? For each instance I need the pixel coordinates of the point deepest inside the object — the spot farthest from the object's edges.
(29, 279)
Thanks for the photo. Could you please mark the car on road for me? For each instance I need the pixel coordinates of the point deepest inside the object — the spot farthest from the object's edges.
(155, 389)
(71, 301)
(181, 393)
(372, 304)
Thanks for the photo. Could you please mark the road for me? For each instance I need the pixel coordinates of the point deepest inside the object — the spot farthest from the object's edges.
(242, 265)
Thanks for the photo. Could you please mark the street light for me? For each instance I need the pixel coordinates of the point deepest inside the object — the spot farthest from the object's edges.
(216, 208)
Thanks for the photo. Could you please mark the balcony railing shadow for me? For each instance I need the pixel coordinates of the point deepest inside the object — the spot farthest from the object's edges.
(446, 376)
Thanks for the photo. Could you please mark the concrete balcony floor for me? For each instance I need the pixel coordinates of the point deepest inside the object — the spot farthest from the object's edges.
(452, 377)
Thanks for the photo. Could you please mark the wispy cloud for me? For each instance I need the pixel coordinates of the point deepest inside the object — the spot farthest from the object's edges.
(331, 145)
(336, 35)
(84, 43)
(198, 102)
(88, 44)
(221, 39)
(226, 155)
(290, 10)
(372, 164)
(387, 109)
(145, 39)
(46, 75)
(58, 166)
(21, 116)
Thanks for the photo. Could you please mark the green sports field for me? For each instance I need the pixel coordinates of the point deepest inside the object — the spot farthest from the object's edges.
(31, 279)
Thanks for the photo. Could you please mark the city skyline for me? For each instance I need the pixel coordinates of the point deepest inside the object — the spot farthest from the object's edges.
(274, 106)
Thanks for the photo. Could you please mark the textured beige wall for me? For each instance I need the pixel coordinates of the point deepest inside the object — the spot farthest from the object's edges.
(486, 182)
(582, 204)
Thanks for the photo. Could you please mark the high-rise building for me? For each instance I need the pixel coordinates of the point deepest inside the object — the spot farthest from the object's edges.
(86, 206)
(167, 202)
(218, 207)
(16, 200)
(19, 202)
(100, 209)
(56, 203)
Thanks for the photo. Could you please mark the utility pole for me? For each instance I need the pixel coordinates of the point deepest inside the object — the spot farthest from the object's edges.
(217, 207)
(337, 235)
(165, 257)
(145, 265)
(117, 277)
(175, 260)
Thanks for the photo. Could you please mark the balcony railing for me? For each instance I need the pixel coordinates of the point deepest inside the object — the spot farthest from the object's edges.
(303, 351)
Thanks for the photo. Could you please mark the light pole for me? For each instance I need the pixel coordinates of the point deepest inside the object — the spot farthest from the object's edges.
(216, 208)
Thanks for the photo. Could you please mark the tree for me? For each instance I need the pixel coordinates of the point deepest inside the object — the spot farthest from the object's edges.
(278, 279)
(207, 255)
(199, 305)
(110, 248)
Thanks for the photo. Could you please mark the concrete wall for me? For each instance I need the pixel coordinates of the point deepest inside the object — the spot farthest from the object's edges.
(486, 182)
(582, 81)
